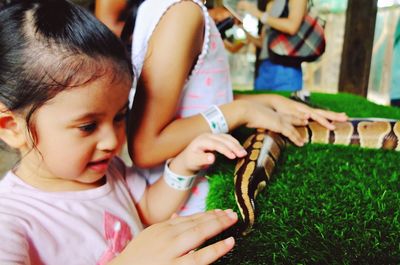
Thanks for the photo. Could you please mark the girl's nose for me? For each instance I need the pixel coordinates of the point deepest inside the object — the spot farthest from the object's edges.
(109, 140)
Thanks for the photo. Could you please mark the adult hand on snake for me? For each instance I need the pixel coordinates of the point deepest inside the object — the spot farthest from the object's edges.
(302, 111)
(261, 116)
(297, 110)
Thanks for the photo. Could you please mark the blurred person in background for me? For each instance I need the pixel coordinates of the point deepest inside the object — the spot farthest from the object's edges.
(285, 16)
(395, 83)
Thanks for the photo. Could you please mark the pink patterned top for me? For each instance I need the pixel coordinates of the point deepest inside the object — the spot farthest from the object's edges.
(209, 82)
(79, 227)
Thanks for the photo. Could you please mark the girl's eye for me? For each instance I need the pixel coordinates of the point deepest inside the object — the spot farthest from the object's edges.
(120, 117)
(90, 127)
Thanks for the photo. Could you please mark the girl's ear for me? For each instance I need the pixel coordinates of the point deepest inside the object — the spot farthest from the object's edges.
(11, 128)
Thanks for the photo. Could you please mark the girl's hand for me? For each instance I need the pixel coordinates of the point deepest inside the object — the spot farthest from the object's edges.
(200, 152)
(302, 111)
(176, 241)
(260, 116)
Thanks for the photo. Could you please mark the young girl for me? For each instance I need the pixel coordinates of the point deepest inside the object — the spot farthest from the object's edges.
(64, 85)
(184, 90)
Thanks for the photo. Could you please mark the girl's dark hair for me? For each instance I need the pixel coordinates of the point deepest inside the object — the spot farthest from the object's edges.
(130, 20)
(47, 46)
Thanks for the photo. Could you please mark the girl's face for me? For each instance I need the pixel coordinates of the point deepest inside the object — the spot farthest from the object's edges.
(78, 132)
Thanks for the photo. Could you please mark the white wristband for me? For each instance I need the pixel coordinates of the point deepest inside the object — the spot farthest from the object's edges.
(176, 181)
(264, 17)
(216, 120)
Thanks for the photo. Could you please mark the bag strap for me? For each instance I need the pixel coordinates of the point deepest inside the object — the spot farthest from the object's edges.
(310, 5)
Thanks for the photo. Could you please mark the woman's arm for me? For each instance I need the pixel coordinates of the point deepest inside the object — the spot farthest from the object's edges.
(200, 153)
(289, 25)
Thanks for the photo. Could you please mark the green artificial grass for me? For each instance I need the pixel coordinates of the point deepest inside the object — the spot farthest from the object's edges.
(326, 204)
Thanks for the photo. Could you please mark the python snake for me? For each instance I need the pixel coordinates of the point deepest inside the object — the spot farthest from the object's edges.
(264, 147)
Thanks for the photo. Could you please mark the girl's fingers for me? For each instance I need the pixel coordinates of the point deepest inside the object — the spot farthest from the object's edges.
(296, 120)
(290, 132)
(174, 215)
(209, 254)
(322, 120)
(194, 231)
(333, 116)
(298, 110)
(224, 144)
(198, 217)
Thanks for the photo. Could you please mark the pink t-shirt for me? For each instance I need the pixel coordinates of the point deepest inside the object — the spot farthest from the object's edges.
(82, 227)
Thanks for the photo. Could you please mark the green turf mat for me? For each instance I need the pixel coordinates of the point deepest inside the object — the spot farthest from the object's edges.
(325, 205)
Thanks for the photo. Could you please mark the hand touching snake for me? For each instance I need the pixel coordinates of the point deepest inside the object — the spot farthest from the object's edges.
(263, 147)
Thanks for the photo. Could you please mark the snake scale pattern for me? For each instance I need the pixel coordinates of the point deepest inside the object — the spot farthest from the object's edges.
(264, 147)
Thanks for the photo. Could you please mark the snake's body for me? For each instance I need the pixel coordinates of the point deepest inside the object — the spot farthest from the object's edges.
(253, 171)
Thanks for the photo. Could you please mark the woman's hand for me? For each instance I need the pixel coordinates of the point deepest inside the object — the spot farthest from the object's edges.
(251, 8)
(177, 240)
(200, 152)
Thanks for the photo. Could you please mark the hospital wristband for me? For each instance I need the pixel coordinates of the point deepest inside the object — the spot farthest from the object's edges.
(216, 120)
(264, 17)
(176, 181)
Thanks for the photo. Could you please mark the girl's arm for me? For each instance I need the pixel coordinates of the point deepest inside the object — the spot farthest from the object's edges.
(154, 134)
(160, 200)
(172, 51)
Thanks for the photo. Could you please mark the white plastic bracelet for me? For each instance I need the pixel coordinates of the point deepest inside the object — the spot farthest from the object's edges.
(216, 120)
(264, 17)
(176, 181)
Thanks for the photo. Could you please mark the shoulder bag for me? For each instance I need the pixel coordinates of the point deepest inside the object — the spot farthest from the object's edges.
(307, 45)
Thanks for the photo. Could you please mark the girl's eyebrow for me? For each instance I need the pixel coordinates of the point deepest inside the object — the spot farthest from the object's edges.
(92, 115)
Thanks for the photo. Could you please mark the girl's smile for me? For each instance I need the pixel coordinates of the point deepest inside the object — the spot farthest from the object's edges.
(99, 166)
(78, 132)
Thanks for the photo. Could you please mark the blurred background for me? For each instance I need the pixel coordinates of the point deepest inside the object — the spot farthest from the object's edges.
(323, 75)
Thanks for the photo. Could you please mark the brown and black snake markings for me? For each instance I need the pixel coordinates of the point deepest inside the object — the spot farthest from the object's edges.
(253, 171)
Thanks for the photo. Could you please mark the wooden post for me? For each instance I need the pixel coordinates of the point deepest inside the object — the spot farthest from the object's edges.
(357, 46)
